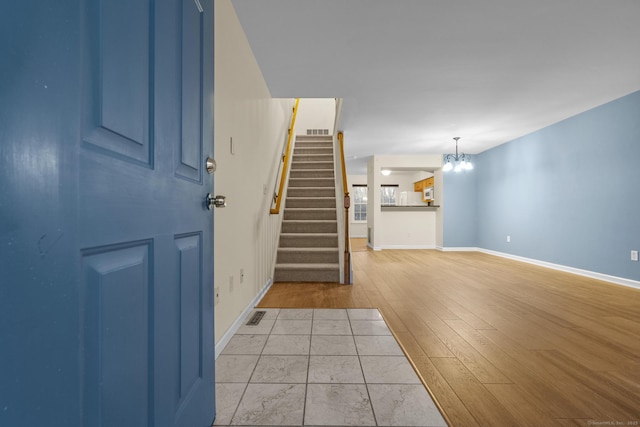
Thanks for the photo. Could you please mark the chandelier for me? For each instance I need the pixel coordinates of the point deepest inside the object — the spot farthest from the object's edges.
(457, 162)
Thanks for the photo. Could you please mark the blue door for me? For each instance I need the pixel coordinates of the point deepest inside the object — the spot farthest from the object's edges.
(106, 250)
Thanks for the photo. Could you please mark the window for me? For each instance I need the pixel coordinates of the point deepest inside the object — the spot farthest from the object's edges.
(388, 195)
(359, 202)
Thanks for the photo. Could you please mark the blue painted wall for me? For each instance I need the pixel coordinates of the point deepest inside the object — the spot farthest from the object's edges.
(566, 194)
(460, 209)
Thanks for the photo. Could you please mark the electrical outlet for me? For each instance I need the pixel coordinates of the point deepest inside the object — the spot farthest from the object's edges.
(217, 292)
(634, 255)
(508, 239)
(241, 275)
(230, 284)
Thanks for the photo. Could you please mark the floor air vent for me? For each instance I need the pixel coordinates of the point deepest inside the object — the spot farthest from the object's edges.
(256, 318)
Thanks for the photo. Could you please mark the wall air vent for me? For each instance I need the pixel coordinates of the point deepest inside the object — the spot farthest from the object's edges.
(317, 131)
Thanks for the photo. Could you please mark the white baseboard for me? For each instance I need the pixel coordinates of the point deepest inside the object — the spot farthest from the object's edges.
(567, 269)
(401, 247)
(457, 249)
(375, 248)
(222, 342)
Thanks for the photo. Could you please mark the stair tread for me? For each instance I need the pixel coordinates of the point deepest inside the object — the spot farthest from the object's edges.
(309, 266)
(316, 146)
(314, 221)
(309, 188)
(312, 198)
(309, 234)
(293, 178)
(311, 209)
(314, 170)
(316, 249)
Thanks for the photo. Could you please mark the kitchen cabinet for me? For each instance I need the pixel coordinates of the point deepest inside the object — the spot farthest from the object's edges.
(425, 186)
(422, 184)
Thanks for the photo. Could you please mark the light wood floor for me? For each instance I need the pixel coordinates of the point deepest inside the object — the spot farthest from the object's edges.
(499, 342)
(359, 245)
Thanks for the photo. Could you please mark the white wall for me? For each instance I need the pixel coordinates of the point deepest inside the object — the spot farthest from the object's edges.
(245, 234)
(438, 198)
(408, 230)
(315, 113)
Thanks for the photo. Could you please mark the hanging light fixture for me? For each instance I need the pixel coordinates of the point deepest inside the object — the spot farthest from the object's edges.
(457, 162)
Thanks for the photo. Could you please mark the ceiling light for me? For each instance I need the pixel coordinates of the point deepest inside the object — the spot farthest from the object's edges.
(458, 162)
(385, 172)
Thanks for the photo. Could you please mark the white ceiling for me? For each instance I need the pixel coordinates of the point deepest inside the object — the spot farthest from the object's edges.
(416, 73)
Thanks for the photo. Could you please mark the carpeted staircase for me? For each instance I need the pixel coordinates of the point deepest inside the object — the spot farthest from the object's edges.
(308, 250)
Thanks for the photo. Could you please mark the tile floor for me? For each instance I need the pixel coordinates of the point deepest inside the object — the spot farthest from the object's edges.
(319, 367)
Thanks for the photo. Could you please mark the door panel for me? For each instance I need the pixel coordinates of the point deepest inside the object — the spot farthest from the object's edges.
(106, 244)
(190, 263)
(190, 154)
(119, 98)
(118, 321)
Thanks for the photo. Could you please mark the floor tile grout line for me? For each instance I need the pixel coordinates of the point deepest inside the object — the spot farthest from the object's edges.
(306, 386)
(246, 386)
(366, 385)
(235, 411)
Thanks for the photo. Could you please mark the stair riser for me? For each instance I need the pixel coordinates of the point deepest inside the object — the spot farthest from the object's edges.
(314, 144)
(310, 150)
(310, 203)
(309, 227)
(312, 158)
(331, 276)
(304, 137)
(311, 192)
(311, 182)
(310, 215)
(312, 165)
(302, 173)
(294, 241)
(304, 257)
(323, 138)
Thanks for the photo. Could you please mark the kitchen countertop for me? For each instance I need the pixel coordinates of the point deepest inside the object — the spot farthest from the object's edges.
(409, 208)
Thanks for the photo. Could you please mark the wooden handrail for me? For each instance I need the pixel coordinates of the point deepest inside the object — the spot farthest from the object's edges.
(347, 204)
(286, 159)
(344, 168)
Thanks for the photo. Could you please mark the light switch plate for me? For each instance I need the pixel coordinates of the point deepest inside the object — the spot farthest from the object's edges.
(634, 255)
